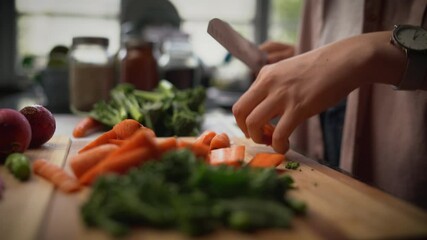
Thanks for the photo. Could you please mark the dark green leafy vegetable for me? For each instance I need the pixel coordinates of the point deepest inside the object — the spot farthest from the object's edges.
(19, 166)
(167, 110)
(182, 192)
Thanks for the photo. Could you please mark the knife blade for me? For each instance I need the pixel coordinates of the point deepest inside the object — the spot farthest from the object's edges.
(241, 48)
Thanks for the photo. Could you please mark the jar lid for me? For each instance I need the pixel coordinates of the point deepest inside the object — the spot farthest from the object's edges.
(91, 40)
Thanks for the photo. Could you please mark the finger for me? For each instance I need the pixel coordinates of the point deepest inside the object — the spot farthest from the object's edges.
(284, 128)
(261, 115)
(277, 56)
(244, 106)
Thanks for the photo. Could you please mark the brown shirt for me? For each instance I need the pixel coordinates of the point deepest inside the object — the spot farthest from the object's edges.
(385, 131)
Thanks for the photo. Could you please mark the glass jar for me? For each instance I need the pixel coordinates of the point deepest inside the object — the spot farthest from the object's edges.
(178, 63)
(138, 65)
(91, 73)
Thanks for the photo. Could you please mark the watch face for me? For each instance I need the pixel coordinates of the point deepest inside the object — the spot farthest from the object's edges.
(411, 37)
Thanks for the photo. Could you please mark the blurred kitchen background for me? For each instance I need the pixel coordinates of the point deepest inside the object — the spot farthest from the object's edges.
(36, 39)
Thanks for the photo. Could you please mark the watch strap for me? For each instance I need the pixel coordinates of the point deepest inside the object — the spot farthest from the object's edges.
(416, 71)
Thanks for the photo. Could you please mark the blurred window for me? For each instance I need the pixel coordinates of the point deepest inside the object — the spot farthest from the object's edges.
(284, 20)
(43, 24)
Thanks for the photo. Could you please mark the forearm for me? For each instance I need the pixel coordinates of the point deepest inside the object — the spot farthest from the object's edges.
(370, 58)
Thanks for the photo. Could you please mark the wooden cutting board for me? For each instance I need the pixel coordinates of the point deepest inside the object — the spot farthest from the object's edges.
(24, 204)
(339, 207)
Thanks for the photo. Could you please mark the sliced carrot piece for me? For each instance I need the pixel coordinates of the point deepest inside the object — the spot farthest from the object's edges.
(233, 155)
(220, 141)
(205, 138)
(199, 149)
(267, 131)
(267, 160)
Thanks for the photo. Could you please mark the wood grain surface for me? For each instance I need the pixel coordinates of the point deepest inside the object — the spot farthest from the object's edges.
(25, 204)
(339, 207)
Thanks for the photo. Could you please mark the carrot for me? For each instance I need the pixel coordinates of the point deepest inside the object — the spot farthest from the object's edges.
(267, 131)
(82, 162)
(199, 149)
(117, 142)
(166, 144)
(233, 156)
(206, 137)
(102, 139)
(267, 160)
(126, 128)
(56, 175)
(119, 164)
(140, 139)
(220, 141)
(86, 126)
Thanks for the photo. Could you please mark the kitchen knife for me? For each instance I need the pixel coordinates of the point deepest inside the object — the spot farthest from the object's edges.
(237, 45)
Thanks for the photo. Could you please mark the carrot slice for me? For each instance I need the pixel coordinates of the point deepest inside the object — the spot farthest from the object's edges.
(56, 175)
(267, 131)
(86, 126)
(220, 141)
(205, 138)
(233, 155)
(102, 139)
(126, 128)
(119, 164)
(82, 162)
(199, 149)
(267, 160)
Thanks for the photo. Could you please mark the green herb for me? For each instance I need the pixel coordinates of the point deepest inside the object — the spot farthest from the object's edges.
(292, 165)
(167, 110)
(184, 193)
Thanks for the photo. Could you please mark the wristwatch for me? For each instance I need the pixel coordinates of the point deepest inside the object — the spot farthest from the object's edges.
(413, 41)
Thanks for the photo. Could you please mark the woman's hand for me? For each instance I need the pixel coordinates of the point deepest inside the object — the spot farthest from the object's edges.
(277, 51)
(300, 87)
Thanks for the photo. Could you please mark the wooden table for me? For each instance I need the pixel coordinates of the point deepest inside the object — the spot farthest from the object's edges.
(339, 207)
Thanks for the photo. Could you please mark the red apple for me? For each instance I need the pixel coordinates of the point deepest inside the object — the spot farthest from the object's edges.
(42, 122)
(15, 132)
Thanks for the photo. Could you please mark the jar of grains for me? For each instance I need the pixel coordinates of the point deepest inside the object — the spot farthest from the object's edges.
(91, 73)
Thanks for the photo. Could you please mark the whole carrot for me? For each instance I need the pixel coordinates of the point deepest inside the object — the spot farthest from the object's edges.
(86, 126)
(119, 164)
(220, 141)
(82, 162)
(267, 160)
(166, 144)
(56, 175)
(140, 139)
(126, 128)
(102, 139)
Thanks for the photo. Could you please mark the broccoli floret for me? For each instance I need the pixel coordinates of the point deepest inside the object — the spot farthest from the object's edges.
(167, 110)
